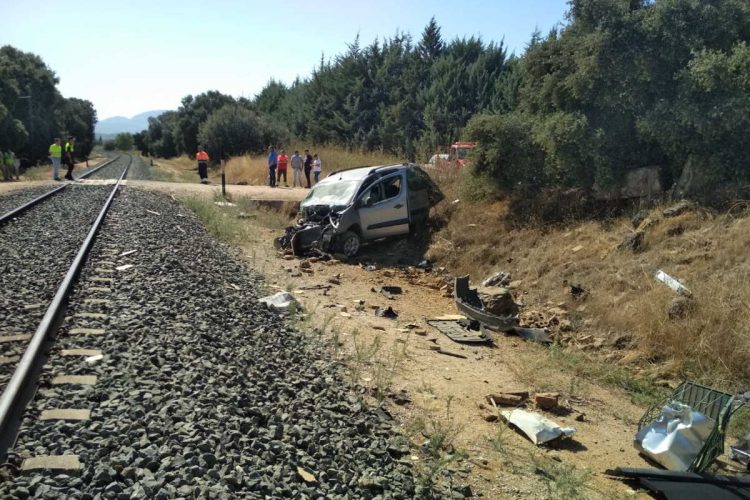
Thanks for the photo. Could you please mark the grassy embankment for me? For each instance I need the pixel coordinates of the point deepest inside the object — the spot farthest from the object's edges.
(621, 334)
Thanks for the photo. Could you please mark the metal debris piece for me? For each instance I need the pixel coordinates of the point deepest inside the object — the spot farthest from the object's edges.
(388, 290)
(676, 438)
(740, 451)
(457, 332)
(672, 283)
(123, 254)
(468, 303)
(498, 279)
(388, 312)
(672, 485)
(533, 334)
(537, 428)
(280, 302)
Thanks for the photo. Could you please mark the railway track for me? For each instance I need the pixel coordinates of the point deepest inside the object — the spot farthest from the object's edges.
(97, 170)
(167, 378)
(23, 353)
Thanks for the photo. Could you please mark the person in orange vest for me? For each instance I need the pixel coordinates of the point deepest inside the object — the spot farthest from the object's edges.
(202, 158)
(282, 161)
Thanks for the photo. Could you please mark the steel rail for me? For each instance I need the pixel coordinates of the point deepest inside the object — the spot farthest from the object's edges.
(21, 387)
(19, 210)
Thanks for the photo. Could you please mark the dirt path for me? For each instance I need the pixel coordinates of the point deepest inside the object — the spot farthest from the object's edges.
(250, 192)
(448, 393)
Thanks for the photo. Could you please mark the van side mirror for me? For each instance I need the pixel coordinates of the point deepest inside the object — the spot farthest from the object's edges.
(367, 200)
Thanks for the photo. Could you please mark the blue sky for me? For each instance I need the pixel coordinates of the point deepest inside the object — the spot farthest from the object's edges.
(132, 56)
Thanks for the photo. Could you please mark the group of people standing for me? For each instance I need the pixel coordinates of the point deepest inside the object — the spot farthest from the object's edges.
(278, 163)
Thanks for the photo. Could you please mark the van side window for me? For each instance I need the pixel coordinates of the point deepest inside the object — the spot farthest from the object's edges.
(392, 187)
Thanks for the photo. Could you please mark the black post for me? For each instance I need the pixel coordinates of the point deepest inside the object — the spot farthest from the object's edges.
(223, 180)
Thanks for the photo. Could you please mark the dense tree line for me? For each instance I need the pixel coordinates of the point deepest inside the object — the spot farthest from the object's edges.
(33, 112)
(224, 125)
(621, 84)
(627, 84)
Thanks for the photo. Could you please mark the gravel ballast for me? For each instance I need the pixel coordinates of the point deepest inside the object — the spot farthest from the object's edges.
(202, 391)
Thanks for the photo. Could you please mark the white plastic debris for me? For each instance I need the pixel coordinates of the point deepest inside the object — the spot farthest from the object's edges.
(281, 302)
(537, 427)
(124, 267)
(152, 212)
(123, 254)
(94, 359)
(224, 204)
(675, 438)
(672, 283)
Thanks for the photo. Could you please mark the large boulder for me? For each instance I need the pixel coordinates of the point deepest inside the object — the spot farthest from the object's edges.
(641, 182)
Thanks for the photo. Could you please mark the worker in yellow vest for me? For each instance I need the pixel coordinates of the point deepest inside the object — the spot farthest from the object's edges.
(55, 154)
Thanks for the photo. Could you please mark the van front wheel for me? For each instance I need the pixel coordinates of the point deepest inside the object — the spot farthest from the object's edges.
(349, 243)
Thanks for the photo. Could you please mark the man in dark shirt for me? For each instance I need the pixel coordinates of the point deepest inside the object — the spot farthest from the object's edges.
(272, 159)
(308, 166)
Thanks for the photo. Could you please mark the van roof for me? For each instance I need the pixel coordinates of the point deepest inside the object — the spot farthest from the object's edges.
(359, 173)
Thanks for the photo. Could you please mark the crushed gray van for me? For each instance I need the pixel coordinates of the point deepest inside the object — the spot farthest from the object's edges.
(363, 204)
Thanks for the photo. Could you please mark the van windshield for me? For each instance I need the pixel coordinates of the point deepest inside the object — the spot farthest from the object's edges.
(333, 194)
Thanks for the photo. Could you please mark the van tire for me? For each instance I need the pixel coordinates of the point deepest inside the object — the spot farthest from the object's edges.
(349, 243)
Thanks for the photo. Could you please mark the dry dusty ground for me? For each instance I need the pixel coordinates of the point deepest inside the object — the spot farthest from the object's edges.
(446, 393)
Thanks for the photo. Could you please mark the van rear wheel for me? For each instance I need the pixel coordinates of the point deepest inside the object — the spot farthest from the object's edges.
(349, 243)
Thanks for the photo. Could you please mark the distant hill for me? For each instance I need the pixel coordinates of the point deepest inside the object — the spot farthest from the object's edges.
(117, 124)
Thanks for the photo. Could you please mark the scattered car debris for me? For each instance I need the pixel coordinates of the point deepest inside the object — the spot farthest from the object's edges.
(468, 302)
(388, 290)
(129, 252)
(685, 431)
(672, 485)
(152, 212)
(672, 283)
(547, 400)
(459, 331)
(508, 398)
(533, 334)
(740, 451)
(440, 350)
(124, 267)
(221, 204)
(500, 278)
(388, 312)
(536, 427)
(281, 302)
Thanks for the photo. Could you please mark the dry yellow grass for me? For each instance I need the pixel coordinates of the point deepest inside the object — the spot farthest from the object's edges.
(254, 169)
(710, 256)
